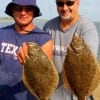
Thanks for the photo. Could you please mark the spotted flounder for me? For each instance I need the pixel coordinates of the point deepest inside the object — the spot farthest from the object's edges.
(81, 70)
(39, 75)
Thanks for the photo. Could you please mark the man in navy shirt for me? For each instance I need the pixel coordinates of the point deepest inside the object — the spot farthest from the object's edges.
(12, 38)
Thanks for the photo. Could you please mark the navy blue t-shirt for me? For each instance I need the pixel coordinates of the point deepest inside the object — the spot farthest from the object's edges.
(10, 41)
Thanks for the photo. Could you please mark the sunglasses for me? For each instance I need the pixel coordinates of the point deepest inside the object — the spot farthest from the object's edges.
(20, 8)
(68, 3)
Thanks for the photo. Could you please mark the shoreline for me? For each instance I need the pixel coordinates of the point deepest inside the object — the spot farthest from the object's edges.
(10, 19)
(6, 19)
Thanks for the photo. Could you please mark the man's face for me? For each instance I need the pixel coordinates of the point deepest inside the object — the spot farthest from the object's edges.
(23, 15)
(67, 9)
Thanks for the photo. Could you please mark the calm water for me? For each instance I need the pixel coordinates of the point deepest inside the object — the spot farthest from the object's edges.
(40, 24)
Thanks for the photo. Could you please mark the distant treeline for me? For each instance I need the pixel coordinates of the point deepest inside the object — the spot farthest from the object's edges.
(6, 19)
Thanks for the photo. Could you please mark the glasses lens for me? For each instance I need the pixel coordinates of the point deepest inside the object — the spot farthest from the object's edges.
(29, 8)
(61, 4)
(17, 8)
(70, 3)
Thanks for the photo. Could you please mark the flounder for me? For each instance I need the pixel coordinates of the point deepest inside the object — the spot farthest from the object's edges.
(39, 75)
(81, 69)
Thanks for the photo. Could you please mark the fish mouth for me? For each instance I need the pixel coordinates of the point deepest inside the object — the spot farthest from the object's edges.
(77, 45)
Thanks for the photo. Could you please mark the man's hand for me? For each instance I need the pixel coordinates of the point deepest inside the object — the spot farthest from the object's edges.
(22, 53)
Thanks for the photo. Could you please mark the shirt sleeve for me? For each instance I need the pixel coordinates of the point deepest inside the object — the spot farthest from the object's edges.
(91, 37)
(44, 38)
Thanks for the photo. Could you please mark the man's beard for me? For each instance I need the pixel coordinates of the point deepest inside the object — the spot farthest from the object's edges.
(68, 18)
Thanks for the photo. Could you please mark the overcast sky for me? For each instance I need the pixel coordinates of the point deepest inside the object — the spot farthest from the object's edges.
(89, 8)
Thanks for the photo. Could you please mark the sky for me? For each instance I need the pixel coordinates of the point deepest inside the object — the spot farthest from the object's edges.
(88, 8)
